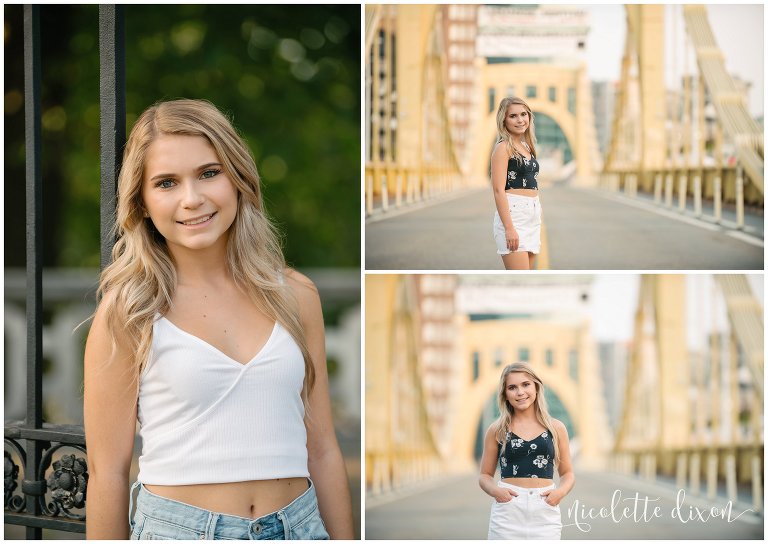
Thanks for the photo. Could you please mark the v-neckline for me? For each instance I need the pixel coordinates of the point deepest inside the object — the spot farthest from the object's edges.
(532, 439)
(210, 346)
(528, 158)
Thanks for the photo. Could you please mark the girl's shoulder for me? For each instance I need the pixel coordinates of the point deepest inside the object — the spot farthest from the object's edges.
(558, 426)
(496, 428)
(300, 284)
(106, 305)
(306, 294)
(500, 148)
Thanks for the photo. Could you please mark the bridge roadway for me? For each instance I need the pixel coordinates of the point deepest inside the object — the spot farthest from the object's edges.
(585, 229)
(456, 508)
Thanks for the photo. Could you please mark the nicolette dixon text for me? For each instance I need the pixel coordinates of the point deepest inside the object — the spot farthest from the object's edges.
(644, 509)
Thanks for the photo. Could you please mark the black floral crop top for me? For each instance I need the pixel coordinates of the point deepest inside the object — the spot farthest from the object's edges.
(522, 173)
(520, 458)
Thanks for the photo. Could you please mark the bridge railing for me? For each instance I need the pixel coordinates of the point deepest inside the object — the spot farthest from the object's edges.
(391, 186)
(700, 469)
(673, 187)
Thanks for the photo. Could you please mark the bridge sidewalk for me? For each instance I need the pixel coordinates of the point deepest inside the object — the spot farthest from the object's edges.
(753, 219)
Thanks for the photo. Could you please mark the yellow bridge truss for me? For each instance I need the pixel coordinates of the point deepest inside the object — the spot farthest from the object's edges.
(668, 161)
(692, 417)
(410, 154)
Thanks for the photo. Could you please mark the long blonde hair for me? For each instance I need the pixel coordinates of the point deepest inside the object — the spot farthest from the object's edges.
(530, 133)
(141, 279)
(507, 410)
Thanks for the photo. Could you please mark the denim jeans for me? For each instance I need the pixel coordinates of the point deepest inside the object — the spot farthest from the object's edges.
(158, 518)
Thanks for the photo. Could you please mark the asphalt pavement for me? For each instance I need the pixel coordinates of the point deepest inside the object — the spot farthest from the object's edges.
(584, 229)
(456, 508)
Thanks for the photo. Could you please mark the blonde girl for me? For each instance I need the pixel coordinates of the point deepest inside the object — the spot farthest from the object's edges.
(526, 443)
(206, 339)
(514, 179)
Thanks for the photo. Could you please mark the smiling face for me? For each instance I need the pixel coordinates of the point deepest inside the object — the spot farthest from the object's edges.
(520, 390)
(187, 194)
(517, 119)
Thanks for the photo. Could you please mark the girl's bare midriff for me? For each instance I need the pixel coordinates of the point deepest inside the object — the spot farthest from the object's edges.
(529, 483)
(250, 499)
(523, 192)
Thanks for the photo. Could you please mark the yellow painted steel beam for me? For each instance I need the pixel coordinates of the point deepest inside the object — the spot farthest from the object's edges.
(746, 318)
(730, 106)
(399, 444)
(372, 16)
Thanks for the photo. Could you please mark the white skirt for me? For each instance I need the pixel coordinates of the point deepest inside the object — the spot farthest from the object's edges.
(525, 212)
(525, 517)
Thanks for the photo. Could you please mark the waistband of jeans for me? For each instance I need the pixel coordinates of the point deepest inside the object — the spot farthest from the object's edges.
(151, 503)
(525, 489)
(521, 198)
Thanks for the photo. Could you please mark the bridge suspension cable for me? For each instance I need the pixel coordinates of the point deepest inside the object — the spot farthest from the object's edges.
(746, 318)
(728, 102)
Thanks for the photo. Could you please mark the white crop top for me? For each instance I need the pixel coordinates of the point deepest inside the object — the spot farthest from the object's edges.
(206, 418)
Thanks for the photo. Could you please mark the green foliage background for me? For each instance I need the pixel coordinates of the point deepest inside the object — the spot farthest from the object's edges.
(288, 75)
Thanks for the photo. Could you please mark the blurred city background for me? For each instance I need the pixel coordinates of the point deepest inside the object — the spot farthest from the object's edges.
(649, 121)
(658, 378)
(289, 76)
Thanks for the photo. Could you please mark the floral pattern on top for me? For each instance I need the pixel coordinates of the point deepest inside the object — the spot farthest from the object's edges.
(522, 458)
(522, 173)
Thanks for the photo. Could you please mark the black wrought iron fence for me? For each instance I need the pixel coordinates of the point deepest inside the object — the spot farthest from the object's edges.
(46, 488)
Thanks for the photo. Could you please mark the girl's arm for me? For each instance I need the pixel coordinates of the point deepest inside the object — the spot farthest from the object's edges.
(326, 464)
(488, 469)
(499, 160)
(564, 469)
(110, 424)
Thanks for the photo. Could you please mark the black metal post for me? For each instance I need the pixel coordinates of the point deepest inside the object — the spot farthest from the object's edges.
(34, 418)
(112, 107)
(68, 484)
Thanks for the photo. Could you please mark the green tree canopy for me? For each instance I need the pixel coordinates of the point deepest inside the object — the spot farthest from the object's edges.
(288, 76)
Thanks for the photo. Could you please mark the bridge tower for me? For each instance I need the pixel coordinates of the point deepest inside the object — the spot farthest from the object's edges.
(413, 144)
(536, 53)
(695, 416)
(699, 142)
(571, 372)
(400, 447)
(541, 321)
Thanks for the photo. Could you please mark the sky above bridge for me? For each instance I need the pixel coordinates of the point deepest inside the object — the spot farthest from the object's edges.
(738, 29)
